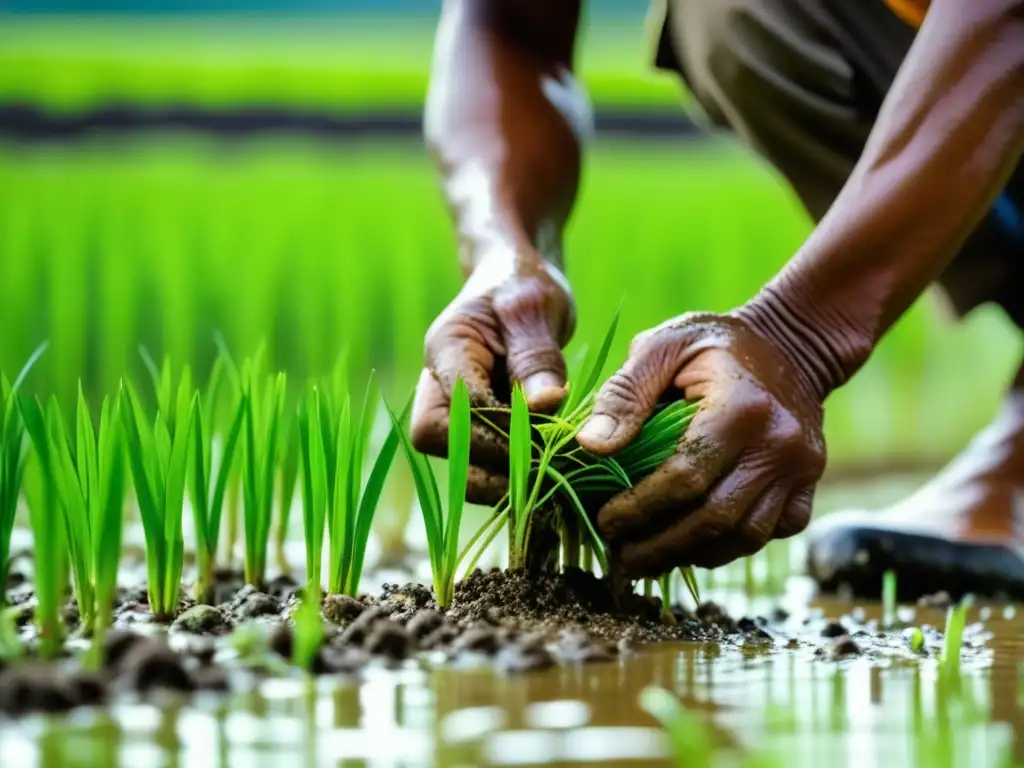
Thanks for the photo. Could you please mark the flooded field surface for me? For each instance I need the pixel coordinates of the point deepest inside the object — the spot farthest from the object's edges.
(783, 700)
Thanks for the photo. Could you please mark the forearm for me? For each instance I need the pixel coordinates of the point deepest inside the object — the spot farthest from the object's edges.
(505, 121)
(949, 135)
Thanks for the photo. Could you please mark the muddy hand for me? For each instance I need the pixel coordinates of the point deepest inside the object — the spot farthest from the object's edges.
(507, 325)
(747, 466)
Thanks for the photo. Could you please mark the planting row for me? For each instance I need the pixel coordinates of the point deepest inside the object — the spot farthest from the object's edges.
(176, 445)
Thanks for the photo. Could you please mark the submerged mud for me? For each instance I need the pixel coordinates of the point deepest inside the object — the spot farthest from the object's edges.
(507, 620)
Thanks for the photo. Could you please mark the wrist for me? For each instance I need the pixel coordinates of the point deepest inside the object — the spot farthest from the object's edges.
(493, 266)
(812, 332)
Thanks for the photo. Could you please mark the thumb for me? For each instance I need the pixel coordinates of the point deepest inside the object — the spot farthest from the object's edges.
(627, 399)
(533, 354)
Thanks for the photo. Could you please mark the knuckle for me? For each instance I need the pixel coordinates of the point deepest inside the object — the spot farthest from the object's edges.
(428, 434)
(542, 355)
(623, 392)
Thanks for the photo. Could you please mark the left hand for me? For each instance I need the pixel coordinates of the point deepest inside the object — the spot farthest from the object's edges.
(747, 465)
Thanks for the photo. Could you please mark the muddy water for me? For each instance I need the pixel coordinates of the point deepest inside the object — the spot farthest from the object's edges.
(790, 707)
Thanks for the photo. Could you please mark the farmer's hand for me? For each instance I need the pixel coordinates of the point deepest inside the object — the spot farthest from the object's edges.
(747, 466)
(508, 324)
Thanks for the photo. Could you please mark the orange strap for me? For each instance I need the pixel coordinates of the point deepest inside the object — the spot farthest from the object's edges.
(911, 11)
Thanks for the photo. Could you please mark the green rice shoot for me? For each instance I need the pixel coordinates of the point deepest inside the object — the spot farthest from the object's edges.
(13, 458)
(158, 455)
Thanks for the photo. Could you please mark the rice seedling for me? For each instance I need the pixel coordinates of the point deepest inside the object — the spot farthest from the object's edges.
(209, 484)
(956, 620)
(443, 529)
(48, 533)
(158, 455)
(263, 400)
(13, 456)
(11, 647)
(90, 480)
(350, 503)
(309, 630)
(286, 491)
(547, 466)
(888, 598)
(314, 484)
(689, 739)
(916, 640)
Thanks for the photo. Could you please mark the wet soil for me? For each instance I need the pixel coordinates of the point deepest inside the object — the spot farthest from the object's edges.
(503, 619)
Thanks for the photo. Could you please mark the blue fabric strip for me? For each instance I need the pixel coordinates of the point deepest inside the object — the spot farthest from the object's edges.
(1008, 214)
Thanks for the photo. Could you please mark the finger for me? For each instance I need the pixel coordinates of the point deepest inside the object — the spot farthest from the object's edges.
(713, 441)
(796, 514)
(725, 506)
(485, 488)
(531, 319)
(748, 537)
(462, 343)
(628, 398)
(430, 418)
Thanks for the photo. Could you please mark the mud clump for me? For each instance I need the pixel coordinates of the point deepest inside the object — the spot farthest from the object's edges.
(834, 629)
(424, 623)
(342, 609)
(356, 632)
(573, 598)
(152, 665)
(33, 687)
(388, 638)
(843, 647)
(282, 641)
(202, 620)
(258, 604)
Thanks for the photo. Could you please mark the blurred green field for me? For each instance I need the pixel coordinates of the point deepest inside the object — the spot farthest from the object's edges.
(311, 246)
(335, 64)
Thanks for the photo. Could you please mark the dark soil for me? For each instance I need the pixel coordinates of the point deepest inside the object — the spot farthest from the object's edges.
(509, 621)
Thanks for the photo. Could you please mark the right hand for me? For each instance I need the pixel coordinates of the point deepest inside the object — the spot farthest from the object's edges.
(508, 324)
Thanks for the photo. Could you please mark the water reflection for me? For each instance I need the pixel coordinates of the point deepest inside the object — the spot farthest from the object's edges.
(803, 711)
(885, 709)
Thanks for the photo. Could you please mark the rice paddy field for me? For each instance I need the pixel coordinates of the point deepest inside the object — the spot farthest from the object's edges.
(222, 549)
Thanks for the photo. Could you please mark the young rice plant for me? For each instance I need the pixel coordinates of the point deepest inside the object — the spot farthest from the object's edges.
(443, 529)
(333, 441)
(209, 482)
(13, 457)
(90, 480)
(158, 456)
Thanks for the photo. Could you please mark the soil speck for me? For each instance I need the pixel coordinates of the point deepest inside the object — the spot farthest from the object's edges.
(834, 629)
(843, 647)
(259, 604)
(202, 620)
(153, 665)
(342, 609)
(388, 638)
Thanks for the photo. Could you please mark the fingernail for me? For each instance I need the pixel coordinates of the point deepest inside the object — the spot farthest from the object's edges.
(543, 391)
(599, 427)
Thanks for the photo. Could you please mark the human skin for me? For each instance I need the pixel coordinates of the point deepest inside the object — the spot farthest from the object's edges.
(508, 144)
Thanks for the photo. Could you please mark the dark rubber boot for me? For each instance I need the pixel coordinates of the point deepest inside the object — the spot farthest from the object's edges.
(961, 532)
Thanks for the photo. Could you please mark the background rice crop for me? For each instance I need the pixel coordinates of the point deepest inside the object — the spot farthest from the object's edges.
(312, 246)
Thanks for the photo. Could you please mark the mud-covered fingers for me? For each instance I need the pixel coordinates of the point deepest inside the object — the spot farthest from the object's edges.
(429, 428)
(696, 526)
(714, 440)
(749, 536)
(463, 343)
(627, 399)
(797, 513)
(536, 319)
(484, 487)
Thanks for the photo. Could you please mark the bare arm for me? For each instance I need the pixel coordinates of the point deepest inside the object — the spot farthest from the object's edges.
(949, 135)
(504, 118)
(505, 121)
